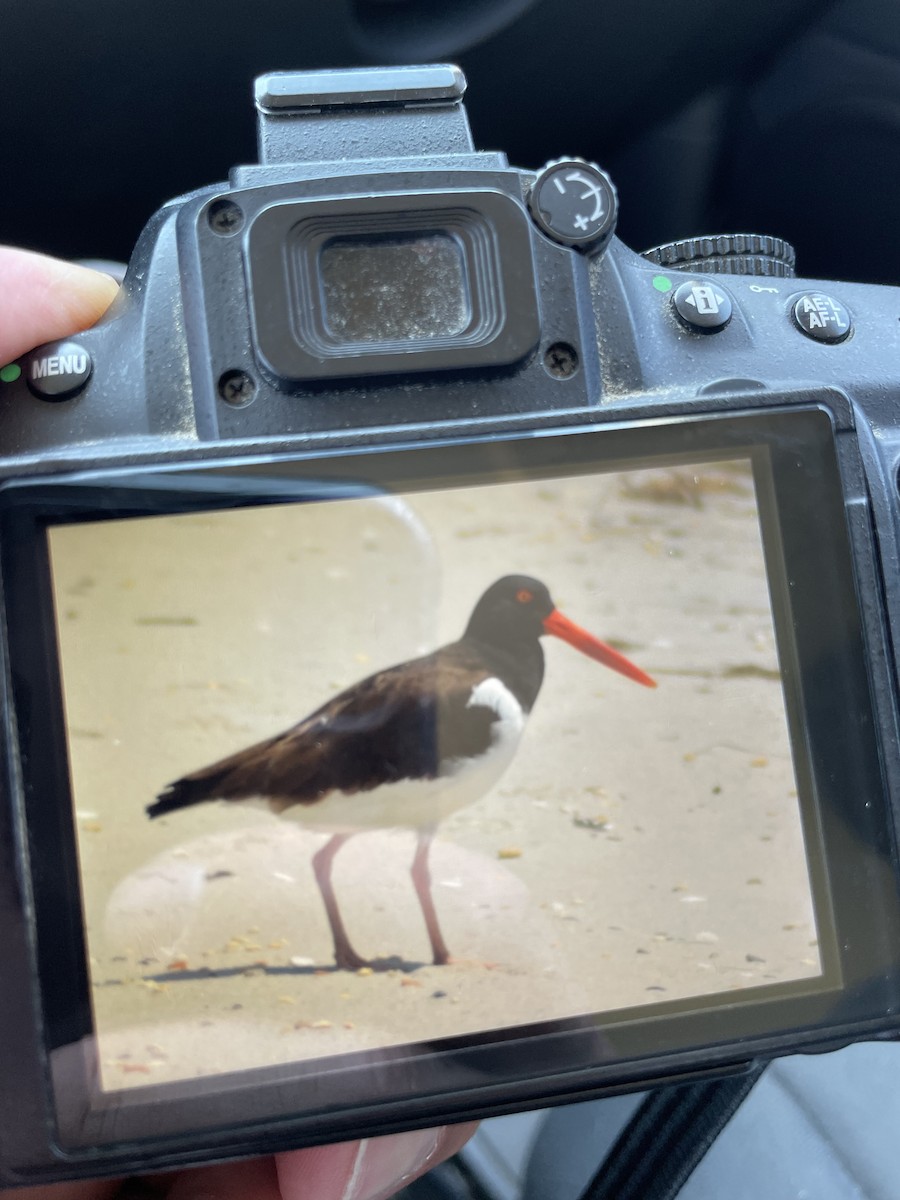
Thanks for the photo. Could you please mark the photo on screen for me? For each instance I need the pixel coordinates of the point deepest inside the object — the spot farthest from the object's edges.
(578, 843)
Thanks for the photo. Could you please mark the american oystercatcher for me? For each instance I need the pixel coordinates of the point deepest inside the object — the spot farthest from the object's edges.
(407, 746)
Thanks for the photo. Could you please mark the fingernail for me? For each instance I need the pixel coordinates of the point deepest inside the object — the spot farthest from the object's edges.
(384, 1164)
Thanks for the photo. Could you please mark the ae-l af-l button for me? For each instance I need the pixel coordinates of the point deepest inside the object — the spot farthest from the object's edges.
(703, 306)
(821, 317)
(58, 371)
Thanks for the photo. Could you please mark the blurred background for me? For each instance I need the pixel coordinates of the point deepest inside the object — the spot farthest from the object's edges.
(773, 116)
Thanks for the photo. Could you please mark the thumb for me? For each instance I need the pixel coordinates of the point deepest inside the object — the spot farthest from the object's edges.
(44, 298)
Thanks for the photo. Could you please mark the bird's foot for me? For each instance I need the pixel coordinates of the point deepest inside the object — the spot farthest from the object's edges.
(345, 957)
(349, 960)
(451, 960)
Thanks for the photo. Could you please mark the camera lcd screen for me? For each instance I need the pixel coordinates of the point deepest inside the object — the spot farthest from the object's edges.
(392, 287)
(311, 837)
(638, 848)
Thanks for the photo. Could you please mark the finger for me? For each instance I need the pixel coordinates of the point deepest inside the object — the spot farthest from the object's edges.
(253, 1180)
(372, 1169)
(45, 298)
(83, 1189)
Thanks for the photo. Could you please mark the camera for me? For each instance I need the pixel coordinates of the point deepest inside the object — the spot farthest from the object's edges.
(448, 656)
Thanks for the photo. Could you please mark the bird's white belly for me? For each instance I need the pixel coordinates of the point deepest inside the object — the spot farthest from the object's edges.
(421, 803)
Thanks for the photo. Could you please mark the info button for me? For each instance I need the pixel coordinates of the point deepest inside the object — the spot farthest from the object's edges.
(58, 370)
(705, 307)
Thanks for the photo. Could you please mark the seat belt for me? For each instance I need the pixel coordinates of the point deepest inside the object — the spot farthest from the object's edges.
(667, 1137)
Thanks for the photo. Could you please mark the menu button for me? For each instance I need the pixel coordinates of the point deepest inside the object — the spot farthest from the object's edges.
(58, 370)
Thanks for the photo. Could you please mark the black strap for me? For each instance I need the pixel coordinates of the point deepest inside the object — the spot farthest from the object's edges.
(667, 1137)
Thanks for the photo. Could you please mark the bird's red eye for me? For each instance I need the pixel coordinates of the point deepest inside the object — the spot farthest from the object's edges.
(524, 596)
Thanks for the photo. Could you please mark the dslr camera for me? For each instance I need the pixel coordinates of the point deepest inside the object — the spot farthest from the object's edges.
(448, 657)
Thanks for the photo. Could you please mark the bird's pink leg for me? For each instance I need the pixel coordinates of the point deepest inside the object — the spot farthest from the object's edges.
(421, 877)
(344, 955)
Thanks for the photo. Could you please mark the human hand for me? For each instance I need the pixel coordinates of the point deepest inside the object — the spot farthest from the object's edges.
(42, 299)
(372, 1169)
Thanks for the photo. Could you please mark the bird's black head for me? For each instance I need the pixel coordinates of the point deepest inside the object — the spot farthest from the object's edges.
(512, 609)
(517, 610)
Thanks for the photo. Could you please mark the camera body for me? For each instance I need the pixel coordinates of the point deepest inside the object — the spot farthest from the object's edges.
(365, 377)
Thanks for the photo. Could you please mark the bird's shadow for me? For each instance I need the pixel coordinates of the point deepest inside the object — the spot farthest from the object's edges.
(377, 965)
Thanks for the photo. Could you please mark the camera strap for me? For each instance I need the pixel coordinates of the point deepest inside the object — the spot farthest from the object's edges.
(666, 1139)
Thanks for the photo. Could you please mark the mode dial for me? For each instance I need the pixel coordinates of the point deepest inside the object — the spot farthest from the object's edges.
(575, 203)
(728, 253)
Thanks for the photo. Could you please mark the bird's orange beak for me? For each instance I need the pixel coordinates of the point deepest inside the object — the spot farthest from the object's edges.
(559, 626)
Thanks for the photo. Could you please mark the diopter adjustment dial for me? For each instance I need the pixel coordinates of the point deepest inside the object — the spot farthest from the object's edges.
(728, 254)
(575, 203)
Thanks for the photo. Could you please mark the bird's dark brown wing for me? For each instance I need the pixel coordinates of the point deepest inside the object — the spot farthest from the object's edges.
(402, 723)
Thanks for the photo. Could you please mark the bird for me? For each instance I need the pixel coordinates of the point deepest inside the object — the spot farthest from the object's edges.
(407, 746)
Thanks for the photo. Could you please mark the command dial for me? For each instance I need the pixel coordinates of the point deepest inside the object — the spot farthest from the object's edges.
(575, 203)
(728, 253)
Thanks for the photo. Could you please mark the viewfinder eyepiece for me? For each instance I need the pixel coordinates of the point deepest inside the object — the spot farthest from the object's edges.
(389, 284)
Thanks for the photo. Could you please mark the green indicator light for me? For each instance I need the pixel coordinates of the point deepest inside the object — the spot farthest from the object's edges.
(662, 283)
(10, 373)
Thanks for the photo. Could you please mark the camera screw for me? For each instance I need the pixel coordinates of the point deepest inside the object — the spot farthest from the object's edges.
(561, 360)
(225, 217)
(236, 388)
